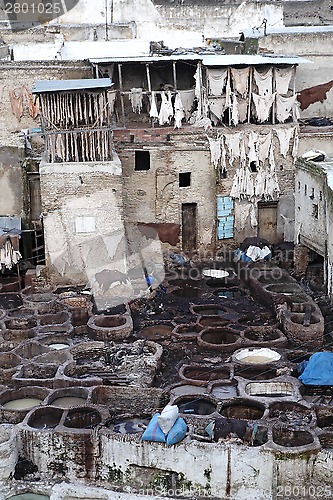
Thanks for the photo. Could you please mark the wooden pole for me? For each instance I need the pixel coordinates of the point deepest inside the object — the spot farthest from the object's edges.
(274, 89)
(174, 75)
(149, 89)
(121, 94)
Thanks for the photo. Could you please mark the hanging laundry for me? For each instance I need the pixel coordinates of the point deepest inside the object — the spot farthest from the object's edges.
(282, 79)
(242, 109)
(17, 103)
(228, 94)
(8, 256)
(112, 94)
(179, 112)
(263, 106)
(243, 150)
(264, 82)
(166, 110)
(264, 144)
(136, 99)
(240, 80)
(243, 210)
(223, 155)
(216, 81)
(295, 145)
(232, 141)
(153, 113)
(197, 77)
(252, 145)
(215, 150)
(272, 185)
(242, 186)
(284, 106)
(284, 135)
(187, 98)
(33, 108)
(217, 108)
(234, 111)
(260, 183)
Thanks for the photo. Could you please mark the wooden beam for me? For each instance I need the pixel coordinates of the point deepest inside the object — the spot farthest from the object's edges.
(174, 75)
(121, 94)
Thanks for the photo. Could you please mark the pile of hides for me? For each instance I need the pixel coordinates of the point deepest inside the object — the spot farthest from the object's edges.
(318, 370)
(8, 256)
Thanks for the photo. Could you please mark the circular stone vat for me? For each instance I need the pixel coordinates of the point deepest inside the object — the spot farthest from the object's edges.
(221, 391)
(155, 332)
(228, 292)
(10, 300)
(45, 418)
(291, 413)
(212, 322)
(288, 437)
(187, 332)
(208, 310)
(270, 389)
(299, 318)
(41, 302)
(243, 410)
(82, 418)
(187, 292)
(317, 394)
(254, 373)
(19, 335)
(284, 288)
(262, 334)
(195, 406)
(256, 356)
(22, 404)
(66, 398)
(220, 339)
(20, 323)
(201, 375)
(130, 426)
(110, 327)
(15, 404)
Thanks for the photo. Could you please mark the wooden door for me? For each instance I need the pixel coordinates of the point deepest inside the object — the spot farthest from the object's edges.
(189, 226)
(267, 221)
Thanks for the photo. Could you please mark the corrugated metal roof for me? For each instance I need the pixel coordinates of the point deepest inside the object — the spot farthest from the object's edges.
(235, 59)
(61, 85)
(208, 59)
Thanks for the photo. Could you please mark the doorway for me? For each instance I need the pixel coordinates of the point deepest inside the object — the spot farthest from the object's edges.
(189, 226)
(267, 221)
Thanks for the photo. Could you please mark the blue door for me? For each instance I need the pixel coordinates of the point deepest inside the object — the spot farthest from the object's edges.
(225, 219)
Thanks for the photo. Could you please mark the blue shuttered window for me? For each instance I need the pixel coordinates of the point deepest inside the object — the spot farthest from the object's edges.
(225, 219)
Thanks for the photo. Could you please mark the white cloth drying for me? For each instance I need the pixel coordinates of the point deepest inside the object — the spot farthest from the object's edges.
(217, 108)
(166, 110)
(284, 135)
(232, 141)
(153, 108)
(112, 94)
(295, 145)
(263, 106)
(136, 99)
(264, 82)
(216, 81)
(282, 79)
(215, 150)
(179, 112)
(8, 256)
(234, 111)
(187, 98)
(242, 109)
(228, 94)
(242, 186)
(243, 210)
(252, 145)
(264, 144)
(240, 80)
(284, 106)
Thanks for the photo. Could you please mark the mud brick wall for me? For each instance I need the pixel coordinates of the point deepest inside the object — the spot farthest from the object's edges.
(154, 195)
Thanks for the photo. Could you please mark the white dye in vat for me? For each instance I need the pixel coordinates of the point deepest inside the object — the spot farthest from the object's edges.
(58, 347)
(22, 404)
(255, 359)
(68, 401)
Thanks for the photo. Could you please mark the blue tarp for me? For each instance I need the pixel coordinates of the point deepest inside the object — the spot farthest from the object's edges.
(319, 369)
